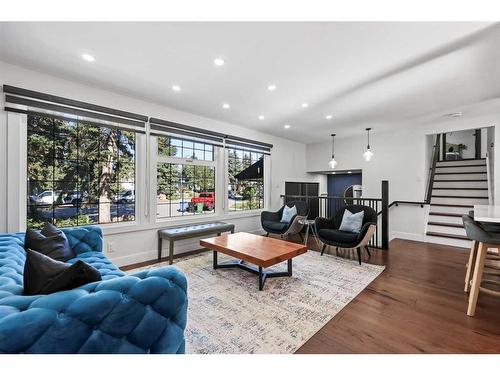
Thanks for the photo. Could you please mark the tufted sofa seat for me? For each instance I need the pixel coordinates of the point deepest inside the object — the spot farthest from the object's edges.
(140, 313)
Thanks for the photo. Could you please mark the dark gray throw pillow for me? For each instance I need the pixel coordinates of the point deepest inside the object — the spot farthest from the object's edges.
(50, 241)
(44, 275)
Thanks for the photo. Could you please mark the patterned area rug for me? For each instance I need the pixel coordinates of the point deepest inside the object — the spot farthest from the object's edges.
(228, 314)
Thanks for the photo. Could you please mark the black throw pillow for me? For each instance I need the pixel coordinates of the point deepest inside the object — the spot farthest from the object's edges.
(49, 241)
(43, 275)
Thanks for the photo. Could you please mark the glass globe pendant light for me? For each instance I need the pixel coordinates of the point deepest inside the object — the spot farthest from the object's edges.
(368, 155)
(333, 163)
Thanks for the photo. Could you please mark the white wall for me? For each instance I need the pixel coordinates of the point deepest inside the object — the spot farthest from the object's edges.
(139, 242)
(403, 158)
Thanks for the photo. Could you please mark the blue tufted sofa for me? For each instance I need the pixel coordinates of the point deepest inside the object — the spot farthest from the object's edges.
(142, 313)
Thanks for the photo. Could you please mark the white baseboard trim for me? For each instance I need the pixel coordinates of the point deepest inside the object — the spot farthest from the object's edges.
(180, 247)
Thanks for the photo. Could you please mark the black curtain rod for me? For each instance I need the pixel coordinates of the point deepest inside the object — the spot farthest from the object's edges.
(202, 137)
(74, 103)
(193, 129)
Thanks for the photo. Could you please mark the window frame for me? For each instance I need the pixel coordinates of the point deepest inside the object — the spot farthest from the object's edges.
(157, 159)
(265, 185)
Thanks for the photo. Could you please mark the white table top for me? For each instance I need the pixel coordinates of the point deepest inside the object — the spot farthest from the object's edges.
(490, 214)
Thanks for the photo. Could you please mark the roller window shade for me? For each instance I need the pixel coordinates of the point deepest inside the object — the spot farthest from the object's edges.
(36, 103)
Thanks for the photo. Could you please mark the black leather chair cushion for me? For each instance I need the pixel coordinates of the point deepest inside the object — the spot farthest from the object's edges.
(275, 225)
(339, 236)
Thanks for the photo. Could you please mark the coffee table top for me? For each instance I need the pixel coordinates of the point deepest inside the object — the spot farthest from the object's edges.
(259, 250)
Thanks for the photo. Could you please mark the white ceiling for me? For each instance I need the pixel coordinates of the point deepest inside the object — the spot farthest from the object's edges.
(362, 73)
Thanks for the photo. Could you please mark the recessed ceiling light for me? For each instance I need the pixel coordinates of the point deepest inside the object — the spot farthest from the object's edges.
(328, 117)
(286, 126)
(454, 114)
(305, 105)
(261, 117)
(219, 62)
(225, 106)
(88, 57)
(349, 172)
(176, 88)
(271, 87)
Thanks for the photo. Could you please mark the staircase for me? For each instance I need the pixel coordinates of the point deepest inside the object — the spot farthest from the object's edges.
(457, 186)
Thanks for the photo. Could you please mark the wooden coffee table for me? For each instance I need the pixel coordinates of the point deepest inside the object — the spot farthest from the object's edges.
(256, 250)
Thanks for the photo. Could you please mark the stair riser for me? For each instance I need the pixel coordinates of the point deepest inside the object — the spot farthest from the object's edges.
(461, 162)
(461, 169)
(475, 176)
(468, 201)
(449, 241)
(447, 230)
(446, 219)
(473, 193)
(451, 210)
(461, 184)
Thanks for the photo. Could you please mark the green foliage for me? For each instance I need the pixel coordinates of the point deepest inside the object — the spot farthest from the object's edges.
(66, 157)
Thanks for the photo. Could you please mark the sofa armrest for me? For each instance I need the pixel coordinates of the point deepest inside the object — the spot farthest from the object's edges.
(141, 313)
(84, 239)
(323, 223)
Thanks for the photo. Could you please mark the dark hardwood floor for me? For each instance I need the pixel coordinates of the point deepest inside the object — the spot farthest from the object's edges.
(417, 305)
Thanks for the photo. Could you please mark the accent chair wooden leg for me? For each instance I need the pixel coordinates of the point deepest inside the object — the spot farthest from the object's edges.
(323, 249)
(301, 237)
(476, 279)
(470, 265)
(358, 249)
(267, 234)
(368, 251)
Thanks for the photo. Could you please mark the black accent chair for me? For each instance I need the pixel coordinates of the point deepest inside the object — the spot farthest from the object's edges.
(271, 220)
(329, 233)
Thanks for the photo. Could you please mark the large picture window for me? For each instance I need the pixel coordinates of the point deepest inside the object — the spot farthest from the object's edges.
(246, 180)
(185, 178)
(79, 173)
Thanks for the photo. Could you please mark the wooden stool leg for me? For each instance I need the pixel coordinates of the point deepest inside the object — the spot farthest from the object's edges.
(470, 265)
(476, 279)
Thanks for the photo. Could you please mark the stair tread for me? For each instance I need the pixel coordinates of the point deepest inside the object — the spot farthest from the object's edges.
(452, 205)
(458, 196)
(460, 180)
(447, 235)
(441, 224)
(460, 160)
(444, 214)
(461, 166)
(459, 188)
(438, 173)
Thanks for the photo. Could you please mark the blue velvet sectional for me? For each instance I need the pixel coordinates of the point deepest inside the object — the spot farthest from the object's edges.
(141, 313)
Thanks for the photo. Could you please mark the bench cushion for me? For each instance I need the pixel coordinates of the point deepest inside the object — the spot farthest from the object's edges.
(194, 230)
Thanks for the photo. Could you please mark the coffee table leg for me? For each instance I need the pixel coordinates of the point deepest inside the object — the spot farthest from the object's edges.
(262, 279)
(289, 266)
(215, 260)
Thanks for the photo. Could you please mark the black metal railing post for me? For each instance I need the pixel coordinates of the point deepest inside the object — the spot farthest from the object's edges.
(385, 214)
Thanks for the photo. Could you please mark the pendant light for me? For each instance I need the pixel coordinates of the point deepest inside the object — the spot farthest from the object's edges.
(368, 153)
(333, 163)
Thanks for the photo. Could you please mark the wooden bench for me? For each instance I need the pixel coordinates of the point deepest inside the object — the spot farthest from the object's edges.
(183, 232)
